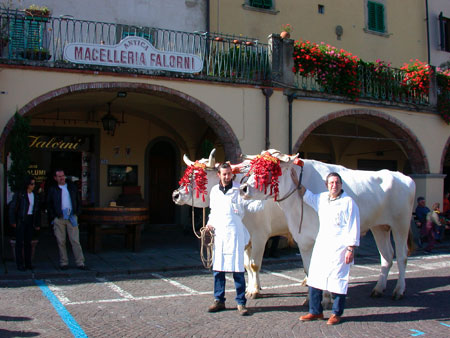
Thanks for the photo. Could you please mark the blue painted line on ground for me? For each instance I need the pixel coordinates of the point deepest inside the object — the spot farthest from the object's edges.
(65, 315)
(418, 333)
(445, 324)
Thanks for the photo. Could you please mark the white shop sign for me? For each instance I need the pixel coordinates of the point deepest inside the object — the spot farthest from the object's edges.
(132, 52)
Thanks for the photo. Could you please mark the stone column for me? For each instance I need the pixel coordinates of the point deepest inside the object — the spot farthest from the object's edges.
(280, 57)
(430, 186)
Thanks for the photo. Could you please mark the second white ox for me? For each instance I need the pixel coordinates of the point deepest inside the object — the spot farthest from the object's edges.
(261, 225)
(385, 200)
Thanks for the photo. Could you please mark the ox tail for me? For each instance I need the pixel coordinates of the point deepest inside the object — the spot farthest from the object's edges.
(411, 244)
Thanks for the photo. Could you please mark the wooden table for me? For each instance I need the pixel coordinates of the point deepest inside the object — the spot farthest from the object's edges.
(114, 220)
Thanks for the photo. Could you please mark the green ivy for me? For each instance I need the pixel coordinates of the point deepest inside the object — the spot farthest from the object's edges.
(20, 152)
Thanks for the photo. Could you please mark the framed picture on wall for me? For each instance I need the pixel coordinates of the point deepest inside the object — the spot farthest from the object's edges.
(119, 175)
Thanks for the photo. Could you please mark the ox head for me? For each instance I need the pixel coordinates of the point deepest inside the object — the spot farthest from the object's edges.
(268, 175)
(197, 181)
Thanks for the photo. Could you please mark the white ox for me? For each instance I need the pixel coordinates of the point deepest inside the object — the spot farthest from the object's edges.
(385, 200)
(261, 225)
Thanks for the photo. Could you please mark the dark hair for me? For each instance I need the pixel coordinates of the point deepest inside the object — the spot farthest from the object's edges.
(28, 180)
(224, 165)
(56, 170)
(333, 174)
(420, 199)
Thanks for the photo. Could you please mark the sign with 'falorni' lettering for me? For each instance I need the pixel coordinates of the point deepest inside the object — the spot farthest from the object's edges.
(132, 52)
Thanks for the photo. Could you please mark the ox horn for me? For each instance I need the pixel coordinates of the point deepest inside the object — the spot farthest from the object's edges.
(187, 160)
(248, 157)
(212, 159)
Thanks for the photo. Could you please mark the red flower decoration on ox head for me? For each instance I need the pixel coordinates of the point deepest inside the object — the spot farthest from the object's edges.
(195, 173)
(266, 169)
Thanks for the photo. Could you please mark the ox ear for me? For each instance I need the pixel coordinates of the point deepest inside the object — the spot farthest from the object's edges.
(212, 159)
(187, 160)
(286, 158)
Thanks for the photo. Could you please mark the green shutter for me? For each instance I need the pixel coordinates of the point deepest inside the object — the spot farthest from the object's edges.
(375, 15)
(266, 4)
(26, 34)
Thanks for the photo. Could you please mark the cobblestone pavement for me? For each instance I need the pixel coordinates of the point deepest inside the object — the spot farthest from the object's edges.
(174, 303)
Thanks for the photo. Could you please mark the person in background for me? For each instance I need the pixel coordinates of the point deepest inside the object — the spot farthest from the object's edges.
(421, 218)
(25, 217)
(63, 207)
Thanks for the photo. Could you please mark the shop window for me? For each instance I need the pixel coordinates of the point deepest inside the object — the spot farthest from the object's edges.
(444, 27)
(375, 17)
(265, 4)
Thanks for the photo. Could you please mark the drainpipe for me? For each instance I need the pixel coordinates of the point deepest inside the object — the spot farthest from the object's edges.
(290, 99)
(267, 93)
(428, 33)
(208, 16)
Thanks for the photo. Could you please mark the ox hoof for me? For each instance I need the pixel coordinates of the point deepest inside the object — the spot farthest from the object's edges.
(397, 296)
(252, 295)
(376, 294)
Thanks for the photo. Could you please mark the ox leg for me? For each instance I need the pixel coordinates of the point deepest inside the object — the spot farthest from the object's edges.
(253, 267)
(401, 252)
(382, 235)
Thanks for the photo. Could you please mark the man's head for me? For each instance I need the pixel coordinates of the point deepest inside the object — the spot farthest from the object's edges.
(60, 177)
(333, 183)
(421, 201)
(225, 174)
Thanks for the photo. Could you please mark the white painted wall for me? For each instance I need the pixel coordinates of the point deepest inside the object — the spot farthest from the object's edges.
(183, 15)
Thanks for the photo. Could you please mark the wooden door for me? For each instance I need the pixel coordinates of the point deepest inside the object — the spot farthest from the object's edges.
(162, 165)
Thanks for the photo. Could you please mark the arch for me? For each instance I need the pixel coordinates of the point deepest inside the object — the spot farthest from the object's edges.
(413, 148)
(444, 155)
(212, 118)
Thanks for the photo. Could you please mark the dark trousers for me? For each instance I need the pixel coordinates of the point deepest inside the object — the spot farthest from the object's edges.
(219, 286)
(24, 234)
(315, 302)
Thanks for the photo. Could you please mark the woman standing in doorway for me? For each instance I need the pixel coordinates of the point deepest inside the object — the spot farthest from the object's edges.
(24, 216)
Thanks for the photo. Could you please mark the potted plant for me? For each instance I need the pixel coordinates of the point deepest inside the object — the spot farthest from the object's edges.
(286, 31)
(37, 11)
(37, 54)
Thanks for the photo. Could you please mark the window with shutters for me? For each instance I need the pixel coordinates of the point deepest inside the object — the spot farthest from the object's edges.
(444, 28)
(265, 4)
(124, 31)
(27, 34)
(375, 17)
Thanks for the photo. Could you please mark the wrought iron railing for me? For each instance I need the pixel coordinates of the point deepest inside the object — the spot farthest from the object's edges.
(378, 83)
(43, 39)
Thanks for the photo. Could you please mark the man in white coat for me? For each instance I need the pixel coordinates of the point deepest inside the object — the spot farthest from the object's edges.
(230, 237)
(333, 251)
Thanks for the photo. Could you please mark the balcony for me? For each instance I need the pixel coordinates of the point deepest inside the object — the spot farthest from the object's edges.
(40, 41)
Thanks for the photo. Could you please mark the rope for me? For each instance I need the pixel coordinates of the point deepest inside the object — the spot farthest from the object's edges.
(207, 247)
(206, 236)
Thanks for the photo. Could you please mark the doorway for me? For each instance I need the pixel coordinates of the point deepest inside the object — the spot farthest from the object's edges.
(162, 164)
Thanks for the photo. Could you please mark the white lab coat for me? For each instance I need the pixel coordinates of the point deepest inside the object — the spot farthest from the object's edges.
(339, 229)
(231, 236)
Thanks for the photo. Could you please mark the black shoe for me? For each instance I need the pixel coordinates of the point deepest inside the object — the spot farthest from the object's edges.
(30, 267)
(21, 268)
(64, 267)
(83, 267)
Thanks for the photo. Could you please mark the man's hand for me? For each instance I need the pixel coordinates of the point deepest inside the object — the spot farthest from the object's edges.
(302, 189)
(13, 225)
(209, 227)
(349, 255)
